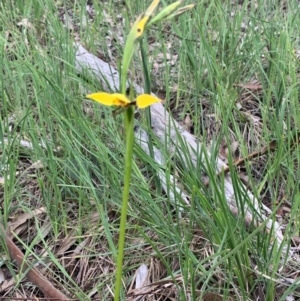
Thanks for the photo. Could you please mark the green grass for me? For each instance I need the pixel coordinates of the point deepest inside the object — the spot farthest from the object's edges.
(81, 146)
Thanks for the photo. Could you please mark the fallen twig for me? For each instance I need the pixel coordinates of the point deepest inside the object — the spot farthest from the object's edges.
(33, 275)
(167, 131)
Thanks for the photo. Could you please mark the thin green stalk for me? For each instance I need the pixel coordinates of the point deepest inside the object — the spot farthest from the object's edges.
(129, 124)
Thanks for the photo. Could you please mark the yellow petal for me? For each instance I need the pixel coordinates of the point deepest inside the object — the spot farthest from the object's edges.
(103, 98)
(143, 20)
(141, 26)
(120, 100)
(116, 99)
(146, 100)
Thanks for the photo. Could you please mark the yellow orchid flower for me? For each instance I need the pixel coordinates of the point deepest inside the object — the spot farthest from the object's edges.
(120, 100)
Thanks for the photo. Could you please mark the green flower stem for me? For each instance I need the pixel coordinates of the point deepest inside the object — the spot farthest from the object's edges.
(134, 36)
(129, 125)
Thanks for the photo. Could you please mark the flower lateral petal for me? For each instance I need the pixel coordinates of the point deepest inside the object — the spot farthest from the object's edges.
(107, 99)
(146, 100)
(102, 97)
